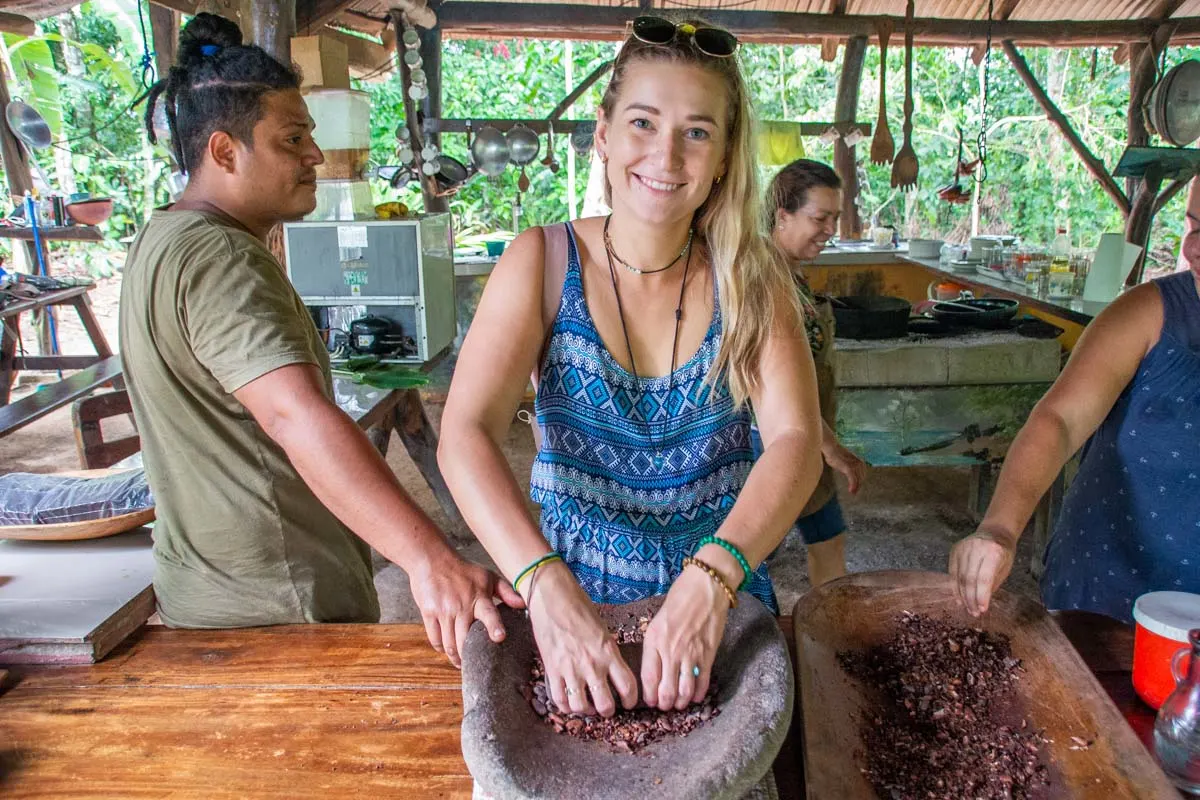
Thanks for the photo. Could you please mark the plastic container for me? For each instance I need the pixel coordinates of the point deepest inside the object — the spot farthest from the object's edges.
(343, 200)
(343, 118)
(1163, 620)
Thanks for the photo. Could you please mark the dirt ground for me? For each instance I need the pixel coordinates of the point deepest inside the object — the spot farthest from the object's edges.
(901, 519)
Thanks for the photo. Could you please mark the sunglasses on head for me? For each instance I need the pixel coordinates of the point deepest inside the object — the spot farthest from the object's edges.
(713, 42)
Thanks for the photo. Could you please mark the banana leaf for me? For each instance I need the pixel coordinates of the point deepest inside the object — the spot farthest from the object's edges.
(385, 376)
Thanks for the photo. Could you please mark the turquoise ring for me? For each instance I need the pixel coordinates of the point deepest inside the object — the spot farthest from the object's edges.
(696, 671)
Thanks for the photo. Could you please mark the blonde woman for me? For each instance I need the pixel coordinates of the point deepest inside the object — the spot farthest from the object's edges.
(650, 340)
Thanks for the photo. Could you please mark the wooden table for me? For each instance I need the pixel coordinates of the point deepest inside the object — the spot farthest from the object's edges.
(10, 338)
(1107, 648)
(290, 711)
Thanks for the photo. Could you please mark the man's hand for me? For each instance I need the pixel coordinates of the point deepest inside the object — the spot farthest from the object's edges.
(451, 594)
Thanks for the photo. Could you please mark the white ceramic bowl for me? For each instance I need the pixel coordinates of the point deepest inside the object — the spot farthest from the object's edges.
(925, 248)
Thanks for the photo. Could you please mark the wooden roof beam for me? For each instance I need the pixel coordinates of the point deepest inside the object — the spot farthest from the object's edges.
(485, 19)
(16, 23)
(182, 6)
(313, 15)
(1005, 10)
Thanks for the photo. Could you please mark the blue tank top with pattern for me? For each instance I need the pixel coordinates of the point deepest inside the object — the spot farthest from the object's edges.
(629, 480)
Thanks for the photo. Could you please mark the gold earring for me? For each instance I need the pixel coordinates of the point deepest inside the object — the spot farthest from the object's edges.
(717, 181)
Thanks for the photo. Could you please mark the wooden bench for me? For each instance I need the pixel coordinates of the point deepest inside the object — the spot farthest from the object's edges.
(15, 416)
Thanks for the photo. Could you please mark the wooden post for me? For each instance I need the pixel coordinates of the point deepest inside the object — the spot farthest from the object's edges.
(270, 24)
(431, 62)
(1143, 73)
(164, 32)
(413, 116)
(845, 161)
(16, 168)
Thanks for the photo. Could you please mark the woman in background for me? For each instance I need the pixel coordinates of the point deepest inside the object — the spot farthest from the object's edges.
(803, 206)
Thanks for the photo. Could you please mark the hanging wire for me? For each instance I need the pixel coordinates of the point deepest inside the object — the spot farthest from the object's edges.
(147, 60)
(981, 142)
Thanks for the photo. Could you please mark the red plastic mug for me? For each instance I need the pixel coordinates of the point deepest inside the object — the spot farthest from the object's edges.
(1160, 643)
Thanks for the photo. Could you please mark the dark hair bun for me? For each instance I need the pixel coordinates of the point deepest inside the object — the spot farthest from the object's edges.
(206, 29)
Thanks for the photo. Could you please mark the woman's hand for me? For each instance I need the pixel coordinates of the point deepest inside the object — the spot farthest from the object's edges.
(979, 564)
(846, 462)
(683, 635)
(578, 652)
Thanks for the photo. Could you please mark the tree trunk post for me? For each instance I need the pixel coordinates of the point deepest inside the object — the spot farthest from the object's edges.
(845, 158)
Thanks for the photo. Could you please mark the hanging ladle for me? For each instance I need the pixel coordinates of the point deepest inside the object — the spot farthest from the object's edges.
(550, 161)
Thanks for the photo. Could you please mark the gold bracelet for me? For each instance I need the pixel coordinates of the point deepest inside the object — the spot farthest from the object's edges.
(692, 561)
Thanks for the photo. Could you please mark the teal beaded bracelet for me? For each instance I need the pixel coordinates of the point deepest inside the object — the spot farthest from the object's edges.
(734, 551)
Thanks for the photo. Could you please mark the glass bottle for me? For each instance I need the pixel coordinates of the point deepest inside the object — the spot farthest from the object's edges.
(1061, 281)
(1177, 729)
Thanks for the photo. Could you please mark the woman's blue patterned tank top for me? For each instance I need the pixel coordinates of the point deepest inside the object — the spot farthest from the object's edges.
(629, 481)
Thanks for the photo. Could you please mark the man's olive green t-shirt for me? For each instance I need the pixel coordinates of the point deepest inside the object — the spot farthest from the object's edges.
(240, 539)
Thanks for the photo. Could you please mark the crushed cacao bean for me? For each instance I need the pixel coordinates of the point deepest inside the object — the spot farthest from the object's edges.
(944, 724)
(625, 731)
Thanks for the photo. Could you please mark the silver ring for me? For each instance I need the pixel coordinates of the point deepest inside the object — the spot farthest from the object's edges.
(570, 692)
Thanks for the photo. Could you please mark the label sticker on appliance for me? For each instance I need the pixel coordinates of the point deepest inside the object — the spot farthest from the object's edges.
(352, 235)
(354, 278)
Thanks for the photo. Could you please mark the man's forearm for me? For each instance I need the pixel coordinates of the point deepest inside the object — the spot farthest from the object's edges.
(352, 480)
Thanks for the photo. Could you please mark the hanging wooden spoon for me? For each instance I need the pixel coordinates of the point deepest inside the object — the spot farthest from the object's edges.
(883, 149)
(905, 168)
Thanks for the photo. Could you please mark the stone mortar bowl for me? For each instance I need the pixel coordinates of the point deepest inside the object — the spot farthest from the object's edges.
(512, 753)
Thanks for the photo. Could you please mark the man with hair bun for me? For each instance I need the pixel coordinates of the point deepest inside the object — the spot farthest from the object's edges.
(261, 482)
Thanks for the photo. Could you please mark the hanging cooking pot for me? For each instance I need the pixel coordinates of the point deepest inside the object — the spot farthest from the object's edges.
(489, 151)
(582, 136)
(451, 175)
(367, 335)
(523, 145)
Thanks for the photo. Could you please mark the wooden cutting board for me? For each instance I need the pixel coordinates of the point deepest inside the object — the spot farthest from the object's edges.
(1057, 693)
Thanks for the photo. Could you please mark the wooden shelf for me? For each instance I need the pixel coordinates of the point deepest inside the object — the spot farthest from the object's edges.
(70, 233)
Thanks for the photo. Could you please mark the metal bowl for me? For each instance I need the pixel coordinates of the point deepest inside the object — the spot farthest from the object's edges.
(982, 312)
(523, 145)
(489, 151)
(27, 125)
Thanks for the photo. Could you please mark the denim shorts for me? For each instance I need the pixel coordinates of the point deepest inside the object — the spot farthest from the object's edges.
(823, 524)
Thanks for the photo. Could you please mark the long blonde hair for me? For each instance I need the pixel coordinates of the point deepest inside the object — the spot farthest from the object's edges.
(753, 279)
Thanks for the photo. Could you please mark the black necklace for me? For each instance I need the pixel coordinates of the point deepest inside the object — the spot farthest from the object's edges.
(637, 270)
(612, 272)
